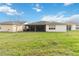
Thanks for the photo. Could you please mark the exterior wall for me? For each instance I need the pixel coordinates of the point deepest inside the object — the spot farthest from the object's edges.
(61, 28)
(73, 27)
(14, 28)
(5, 28)
(47, 29)
(58, 28)
(11, 28)
(19, 28)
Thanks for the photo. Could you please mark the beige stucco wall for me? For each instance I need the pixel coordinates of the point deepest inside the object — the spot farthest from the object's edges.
(19, 28)
(11, 28)
(6, 28)
(58, 28)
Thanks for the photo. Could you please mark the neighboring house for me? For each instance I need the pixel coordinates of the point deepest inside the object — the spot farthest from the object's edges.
(12, 26)
(77, 27)
(73, 26)
(74, 22)
(46, 26)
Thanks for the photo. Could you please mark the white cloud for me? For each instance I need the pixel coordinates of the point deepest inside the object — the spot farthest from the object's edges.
(74, 17)
(37, 8)
(60, 18)
(53, 18)
(8, 10)
(67, 4)
(9, 4)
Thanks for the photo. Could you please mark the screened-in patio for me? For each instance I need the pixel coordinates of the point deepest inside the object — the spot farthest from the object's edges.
(35, 28)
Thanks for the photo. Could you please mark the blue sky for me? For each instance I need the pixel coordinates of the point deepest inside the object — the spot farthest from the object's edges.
(39, 11)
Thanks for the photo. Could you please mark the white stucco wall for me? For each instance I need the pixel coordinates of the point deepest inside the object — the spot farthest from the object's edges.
(61, 28)
(73, 27)
(47, 29)
(58, 28)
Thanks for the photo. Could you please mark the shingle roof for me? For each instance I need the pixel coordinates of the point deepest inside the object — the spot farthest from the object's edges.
(46, 22)
(12, 23)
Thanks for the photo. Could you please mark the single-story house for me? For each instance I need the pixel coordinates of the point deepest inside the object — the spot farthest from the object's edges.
(11, 26)
(40, 26)
(47, 26)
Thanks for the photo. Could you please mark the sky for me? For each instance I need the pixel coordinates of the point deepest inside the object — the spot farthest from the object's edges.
(32, 12)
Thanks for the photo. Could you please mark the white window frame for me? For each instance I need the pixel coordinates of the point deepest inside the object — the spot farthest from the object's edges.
(52, 27)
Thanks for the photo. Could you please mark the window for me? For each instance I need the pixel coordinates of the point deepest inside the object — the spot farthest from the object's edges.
(51, 27)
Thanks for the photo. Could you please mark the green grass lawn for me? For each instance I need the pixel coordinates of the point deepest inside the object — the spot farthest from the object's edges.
(39, 43)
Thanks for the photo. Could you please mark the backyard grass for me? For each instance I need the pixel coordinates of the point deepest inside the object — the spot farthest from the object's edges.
(39, 44)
